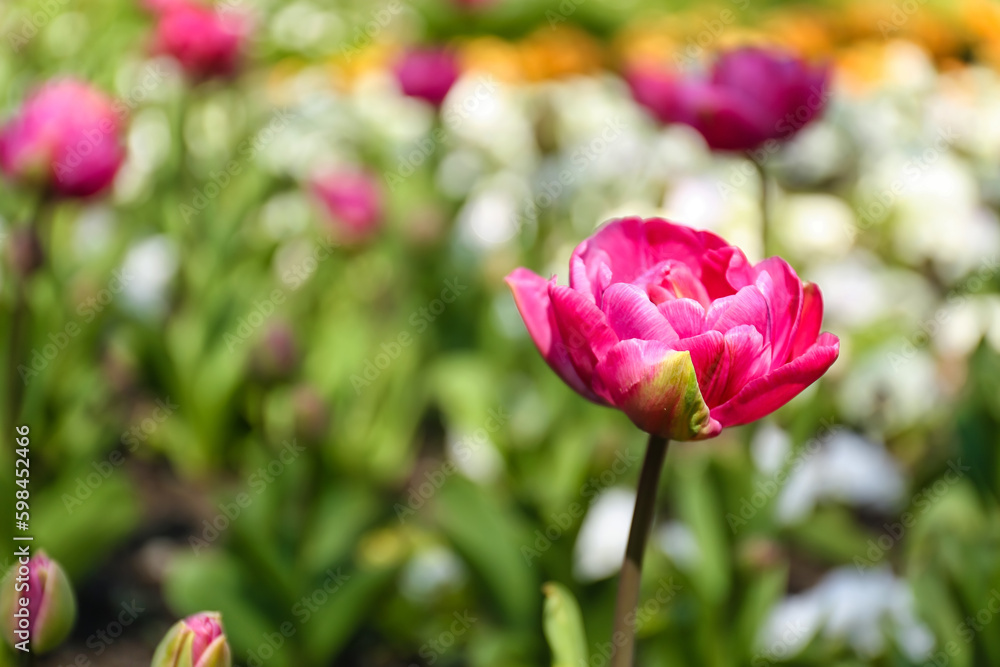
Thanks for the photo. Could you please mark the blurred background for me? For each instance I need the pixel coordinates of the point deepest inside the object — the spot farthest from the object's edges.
(350, 446)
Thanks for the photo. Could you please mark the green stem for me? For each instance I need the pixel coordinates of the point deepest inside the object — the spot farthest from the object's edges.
(765, 209)
(623, 638)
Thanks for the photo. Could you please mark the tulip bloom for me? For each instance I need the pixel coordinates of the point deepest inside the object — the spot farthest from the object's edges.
(51, 608)
(427, 73)
(752, 96)
(206, 42)
(196, 641)
(676, 328)
(65, 137)
(353, 201)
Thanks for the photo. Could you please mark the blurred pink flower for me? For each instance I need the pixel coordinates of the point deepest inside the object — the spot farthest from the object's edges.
(676, 328)
(752, 95)
(67, 137)
(206, 41)
(427, 73)
(353, 199)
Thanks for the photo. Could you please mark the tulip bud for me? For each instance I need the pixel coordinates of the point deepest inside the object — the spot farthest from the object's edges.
(427, 73)
(276, 356)
(65, 137)
(37, 601)
(197, 641)
(353, 202)
(206, 42)
(312, 417)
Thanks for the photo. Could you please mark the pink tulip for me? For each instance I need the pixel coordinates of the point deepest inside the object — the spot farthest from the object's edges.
(50, 609)
(753, 95)
(206, 42)
(353, 200)
(196, 641)
(676, 328)
(427, 73)
(65, 137)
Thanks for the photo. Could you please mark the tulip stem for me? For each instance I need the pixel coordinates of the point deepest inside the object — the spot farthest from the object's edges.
(623, 637)
(765, 209)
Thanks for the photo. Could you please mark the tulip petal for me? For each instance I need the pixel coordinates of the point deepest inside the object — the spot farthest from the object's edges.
(686, 316)
(766, 394)
(217, 654)
(711, 365)
(810, 321)
(531, 294)
(632, 315)
(725, 271)
(748, 306)
(658, 390)
(784, 293)
(585, 331)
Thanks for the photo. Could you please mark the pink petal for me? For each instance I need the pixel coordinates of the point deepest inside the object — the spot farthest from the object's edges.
(658, 390)
(585, 331)
(784, 292)
(766, 394)
(632, 315)
(748, 306)
(686, 316)
(711, 365)
(748, 358)
(531, 294)
(809, 322)
(725, 271)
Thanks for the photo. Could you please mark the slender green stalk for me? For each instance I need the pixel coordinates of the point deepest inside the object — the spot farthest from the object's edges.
(623, 638)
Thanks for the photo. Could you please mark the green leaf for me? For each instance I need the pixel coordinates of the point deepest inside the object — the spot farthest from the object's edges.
(563, 626)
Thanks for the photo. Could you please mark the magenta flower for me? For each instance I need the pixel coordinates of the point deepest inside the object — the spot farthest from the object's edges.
(47, 618)
(751, 96)
(67, 137)
(196, 641)
(353, 201)
(206, 42)
(676, 328)
(427, 73)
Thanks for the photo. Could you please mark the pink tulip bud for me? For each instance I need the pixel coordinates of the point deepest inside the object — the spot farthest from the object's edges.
(353, 200)
(427, 73)
(47, 618)
(206, 42)
(66, 136)
(197, 641)
(752, 96)
(676, 328)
